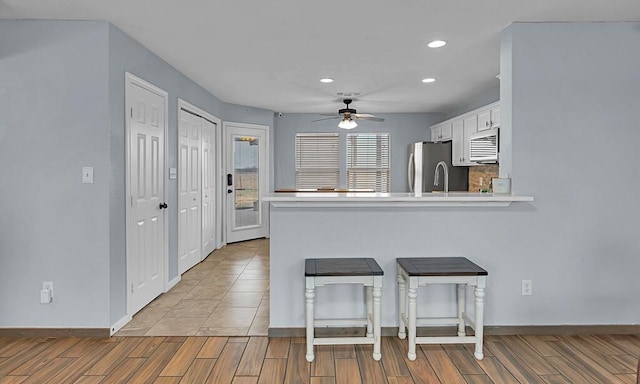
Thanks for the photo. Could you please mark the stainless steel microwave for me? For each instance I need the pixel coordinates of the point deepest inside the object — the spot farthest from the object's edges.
(483, 146)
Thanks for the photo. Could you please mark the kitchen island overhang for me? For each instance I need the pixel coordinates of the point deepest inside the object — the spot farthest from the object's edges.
(385, 227)
(377, 199)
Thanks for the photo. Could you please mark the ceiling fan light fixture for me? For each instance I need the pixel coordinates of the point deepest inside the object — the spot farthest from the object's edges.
(347, 123)
(437, 44)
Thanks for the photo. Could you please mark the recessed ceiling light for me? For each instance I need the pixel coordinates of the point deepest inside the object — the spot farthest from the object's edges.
(326, 80)
(437, 44)
(428, 80)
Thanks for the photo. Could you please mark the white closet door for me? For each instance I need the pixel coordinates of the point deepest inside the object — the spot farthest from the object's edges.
(189, 191)
(208, 187)
(145, 230)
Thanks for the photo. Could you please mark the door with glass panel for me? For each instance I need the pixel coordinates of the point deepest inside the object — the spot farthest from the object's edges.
(247, 171)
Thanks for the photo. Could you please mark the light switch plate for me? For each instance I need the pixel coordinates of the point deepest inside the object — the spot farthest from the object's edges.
(173, 173)
(87, 175)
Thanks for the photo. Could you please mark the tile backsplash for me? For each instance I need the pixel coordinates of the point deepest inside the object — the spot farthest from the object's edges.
(480, 176)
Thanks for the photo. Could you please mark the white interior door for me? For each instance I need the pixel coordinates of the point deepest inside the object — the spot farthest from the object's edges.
(146, 241)
(247, 171)
(208, 187)
(190, 191)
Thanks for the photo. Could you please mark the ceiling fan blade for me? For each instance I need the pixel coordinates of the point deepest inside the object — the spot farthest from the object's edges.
(327, 118)
(364, 115)
(370, 118)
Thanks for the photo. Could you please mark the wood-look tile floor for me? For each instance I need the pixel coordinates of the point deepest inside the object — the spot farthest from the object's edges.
(242, 360)
(225, 295)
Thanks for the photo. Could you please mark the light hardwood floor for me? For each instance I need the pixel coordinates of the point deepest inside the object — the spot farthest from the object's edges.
(242, 360)
(225, 295)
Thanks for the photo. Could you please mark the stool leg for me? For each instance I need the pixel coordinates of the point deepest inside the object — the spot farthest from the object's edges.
(369, 301)
(413, 295)
(461, 299)
(479, 309)
(309, 296)
(377, 295)
(402, 305)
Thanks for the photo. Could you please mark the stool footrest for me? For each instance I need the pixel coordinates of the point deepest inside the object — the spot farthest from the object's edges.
(339, 322)
(436, 320)
(342, 340)
(446, 340)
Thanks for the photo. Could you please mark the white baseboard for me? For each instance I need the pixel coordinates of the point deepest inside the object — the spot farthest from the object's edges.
(119, 324)
(173, 283)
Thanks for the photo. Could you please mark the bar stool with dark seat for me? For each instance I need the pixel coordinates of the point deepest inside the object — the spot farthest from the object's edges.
(365, 271)
(423, 271)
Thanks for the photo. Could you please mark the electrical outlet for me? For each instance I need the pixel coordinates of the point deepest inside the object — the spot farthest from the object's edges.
(87, 175)
(527, 288)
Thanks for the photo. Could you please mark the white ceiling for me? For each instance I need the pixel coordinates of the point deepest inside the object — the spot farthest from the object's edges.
(271, 54)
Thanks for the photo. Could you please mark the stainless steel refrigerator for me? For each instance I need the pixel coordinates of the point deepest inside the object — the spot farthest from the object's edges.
(423, 157)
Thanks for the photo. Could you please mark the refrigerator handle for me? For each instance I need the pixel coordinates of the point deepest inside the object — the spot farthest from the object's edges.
(410, 172)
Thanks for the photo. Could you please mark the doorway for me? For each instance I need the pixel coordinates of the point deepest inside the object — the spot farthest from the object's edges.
(247, 170)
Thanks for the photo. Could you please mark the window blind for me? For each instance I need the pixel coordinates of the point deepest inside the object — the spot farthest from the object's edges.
(317, 160)
(368, 161)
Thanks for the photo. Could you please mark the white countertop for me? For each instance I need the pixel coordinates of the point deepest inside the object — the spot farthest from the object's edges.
(373, 199)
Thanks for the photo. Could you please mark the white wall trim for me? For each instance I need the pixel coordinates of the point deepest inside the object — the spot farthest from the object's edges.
(173, 282)
(182, 103)
(119, 324)
(131, 79)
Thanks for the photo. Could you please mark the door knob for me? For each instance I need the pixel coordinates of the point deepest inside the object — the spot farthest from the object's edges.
(229, 191)
(163, 205)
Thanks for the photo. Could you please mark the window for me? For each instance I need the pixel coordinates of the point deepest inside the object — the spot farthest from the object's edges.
(317, 160)
(368, 161)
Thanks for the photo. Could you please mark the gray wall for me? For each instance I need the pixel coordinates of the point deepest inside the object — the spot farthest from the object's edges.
(54, 120)
(405, 128)
(574, 93)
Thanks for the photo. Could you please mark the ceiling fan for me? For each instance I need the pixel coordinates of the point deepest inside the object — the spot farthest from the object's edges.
(349, 116)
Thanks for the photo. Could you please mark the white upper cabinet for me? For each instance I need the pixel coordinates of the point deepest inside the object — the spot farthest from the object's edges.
(484, 120)
(436, 132)
(489, 118)
(495, 116)
(447, 132)
(441, 132)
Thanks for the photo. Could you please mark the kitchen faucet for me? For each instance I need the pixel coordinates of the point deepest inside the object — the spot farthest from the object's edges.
(446, 176)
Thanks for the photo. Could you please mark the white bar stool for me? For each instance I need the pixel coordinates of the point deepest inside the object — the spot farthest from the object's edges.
(365, 271)
(423, 271)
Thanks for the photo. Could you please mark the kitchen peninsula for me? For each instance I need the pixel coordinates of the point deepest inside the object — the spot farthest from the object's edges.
(384, 226)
